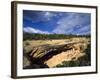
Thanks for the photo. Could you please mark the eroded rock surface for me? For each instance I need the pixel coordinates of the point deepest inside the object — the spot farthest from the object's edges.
(49, 55)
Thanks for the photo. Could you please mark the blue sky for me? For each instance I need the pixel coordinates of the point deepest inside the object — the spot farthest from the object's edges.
(49, 22)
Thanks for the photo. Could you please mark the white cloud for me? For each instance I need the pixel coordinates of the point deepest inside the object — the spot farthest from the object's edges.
(48, 15)
(85, 28)
(67, 24)
(33, 30)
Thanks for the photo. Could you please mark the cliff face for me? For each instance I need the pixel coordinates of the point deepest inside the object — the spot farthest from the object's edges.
(68, 55)
(50, 53)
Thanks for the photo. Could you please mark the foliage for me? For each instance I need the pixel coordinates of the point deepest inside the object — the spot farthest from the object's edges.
(88, 51)
(30, 36)
(27, 43)
(69, 63)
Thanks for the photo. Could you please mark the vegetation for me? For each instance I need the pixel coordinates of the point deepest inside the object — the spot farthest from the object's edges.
(88, 52)
(69, 64)
(82, 61)
(73, 63)
(40, 49)
(30, 36)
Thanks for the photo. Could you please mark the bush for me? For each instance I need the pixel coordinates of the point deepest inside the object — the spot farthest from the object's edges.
(69, 64)
(88, 51)
(37, 36)
(27, 43)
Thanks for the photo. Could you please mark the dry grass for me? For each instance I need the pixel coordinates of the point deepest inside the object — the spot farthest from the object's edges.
(55, 41)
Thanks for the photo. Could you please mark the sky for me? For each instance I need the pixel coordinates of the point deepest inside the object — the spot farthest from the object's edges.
(52, 22)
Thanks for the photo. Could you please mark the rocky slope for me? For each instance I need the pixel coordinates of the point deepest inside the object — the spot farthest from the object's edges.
(44, 54)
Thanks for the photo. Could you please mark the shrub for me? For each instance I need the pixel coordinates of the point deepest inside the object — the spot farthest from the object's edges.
(27, 43)
(69, 64)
